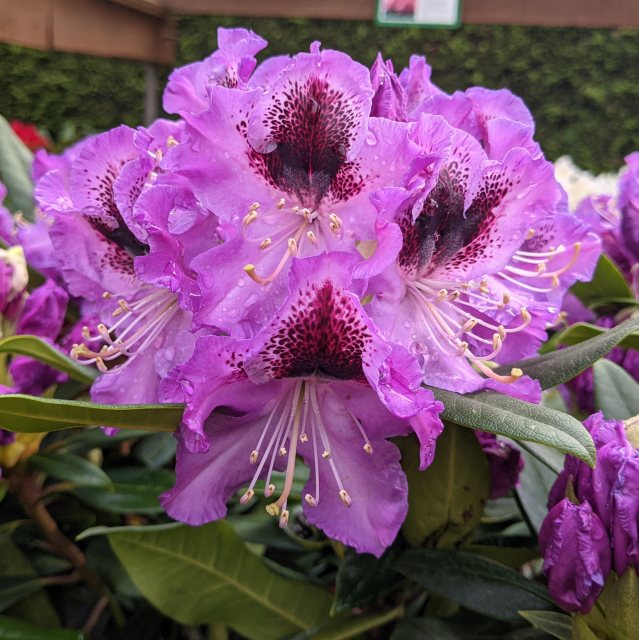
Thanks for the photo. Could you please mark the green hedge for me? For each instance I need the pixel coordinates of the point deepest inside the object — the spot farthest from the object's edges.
(582, 85)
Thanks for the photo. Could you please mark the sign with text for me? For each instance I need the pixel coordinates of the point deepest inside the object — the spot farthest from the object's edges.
(419, 13)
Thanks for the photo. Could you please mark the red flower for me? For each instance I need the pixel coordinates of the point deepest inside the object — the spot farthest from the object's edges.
(30, 135)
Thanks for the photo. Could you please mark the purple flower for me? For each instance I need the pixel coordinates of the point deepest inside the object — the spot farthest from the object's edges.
(609, 491)
(576, 551)
(504, 461)
(471, 251)
(97, 236)
(6, 437)
(307, 154)
(318, 381)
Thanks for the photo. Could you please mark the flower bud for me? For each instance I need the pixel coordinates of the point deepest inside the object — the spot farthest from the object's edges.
(576, 551)
(505, 463)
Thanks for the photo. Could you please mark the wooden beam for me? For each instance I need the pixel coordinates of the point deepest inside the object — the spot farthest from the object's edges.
(546, 13)
(94, 27)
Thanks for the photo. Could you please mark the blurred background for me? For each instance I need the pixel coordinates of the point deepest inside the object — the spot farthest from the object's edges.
(582, 84)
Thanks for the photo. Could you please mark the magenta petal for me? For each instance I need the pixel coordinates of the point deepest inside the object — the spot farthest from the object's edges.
(375, 483)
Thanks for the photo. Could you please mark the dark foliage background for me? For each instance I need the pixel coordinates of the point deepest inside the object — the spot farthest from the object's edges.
(582, 85)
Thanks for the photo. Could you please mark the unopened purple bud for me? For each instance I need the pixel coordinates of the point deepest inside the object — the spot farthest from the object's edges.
(44, 310)
(576, 551)
(389, 100)
(6, 437)
(625, 516)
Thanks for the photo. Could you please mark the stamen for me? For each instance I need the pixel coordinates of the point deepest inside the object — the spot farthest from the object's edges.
(280, 203)
(251, 216)
(346, 499)
(269, 490)
(312, 238)
(310, 500)
(248, 494)
(265, 243)
(284, 519)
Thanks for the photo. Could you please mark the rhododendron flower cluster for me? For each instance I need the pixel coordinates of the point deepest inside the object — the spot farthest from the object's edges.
(296, 256)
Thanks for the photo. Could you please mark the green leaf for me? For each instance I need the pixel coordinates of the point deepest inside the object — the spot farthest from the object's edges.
(198, 575)
(513, 557)
(616, 391)
(506, 416)
(38, 349)
(27, 414)
(344, 628)
(15, 171)
(15, 588)
(11, 629)
(156, 450)
(534, 485)
(560, 366)
(558, 625)
(446, 501)
(72, 468)
(581, 331)
(476, 583)
(425, 629)
(133, 489)
(581, 630)
(363, 578)
(36, 608)
(607, 282)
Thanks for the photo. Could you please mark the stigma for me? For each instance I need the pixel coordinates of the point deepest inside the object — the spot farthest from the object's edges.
(296, 420)
(137, 324)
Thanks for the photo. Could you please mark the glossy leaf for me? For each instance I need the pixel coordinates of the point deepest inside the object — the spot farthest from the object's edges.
(345, 628)
(11, 629)
(534, 485)
(424, 629)
(362, 578)
(214, 577)
(560, 366)
(620, 601)
(133, 489)
(15, 588)
(581, 331)
(37, 607)
(558, 625)
(607, 282)
(506, 416)
(27, 414)
(446, 501)
(156, 450)
(474, 582)
(72, 468)
(15, 170)
(38, 349)
(616, 391)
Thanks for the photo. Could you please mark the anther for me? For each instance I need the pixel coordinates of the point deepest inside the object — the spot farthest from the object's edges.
(310, 500)
(250, 271)
(86, 333)
(505, 298)
(249, 217)
(516, 373)
(525, 315)
(292, 246)
(284, 519)
(541, 267)
(346, 499)
(312, 238)
(295, 209)
(462, 347)
(265, 243)
(496, 342)
(530, 233)
(171, 142)
(272, 509)
(441, 295)
(280, 203)
(282, 451)
(554, 282)
(247, 496)
(303, 437)
(254, 456)
(368, 448)
(483, 286)
(269, 490)
(335, 220)
(106, 295)
(469, 325)
(501, 330)
(255, 206)
(326, 454)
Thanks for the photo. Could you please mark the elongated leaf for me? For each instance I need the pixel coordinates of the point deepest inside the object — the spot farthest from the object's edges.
(36, 608)
(503, 415)
(345, 628)
(616, 392)
(156, 450)
(560, 366)
(581, 331)
(11, 629)
(607, 282)
(534, 485)
(15, 170)
(72, 468)
(446, 501)
(424, 629)
(26, 414)
(134, 489)
(38, 349)
(474, 582)
(203, 574)
(558, 625)
(15, 588)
